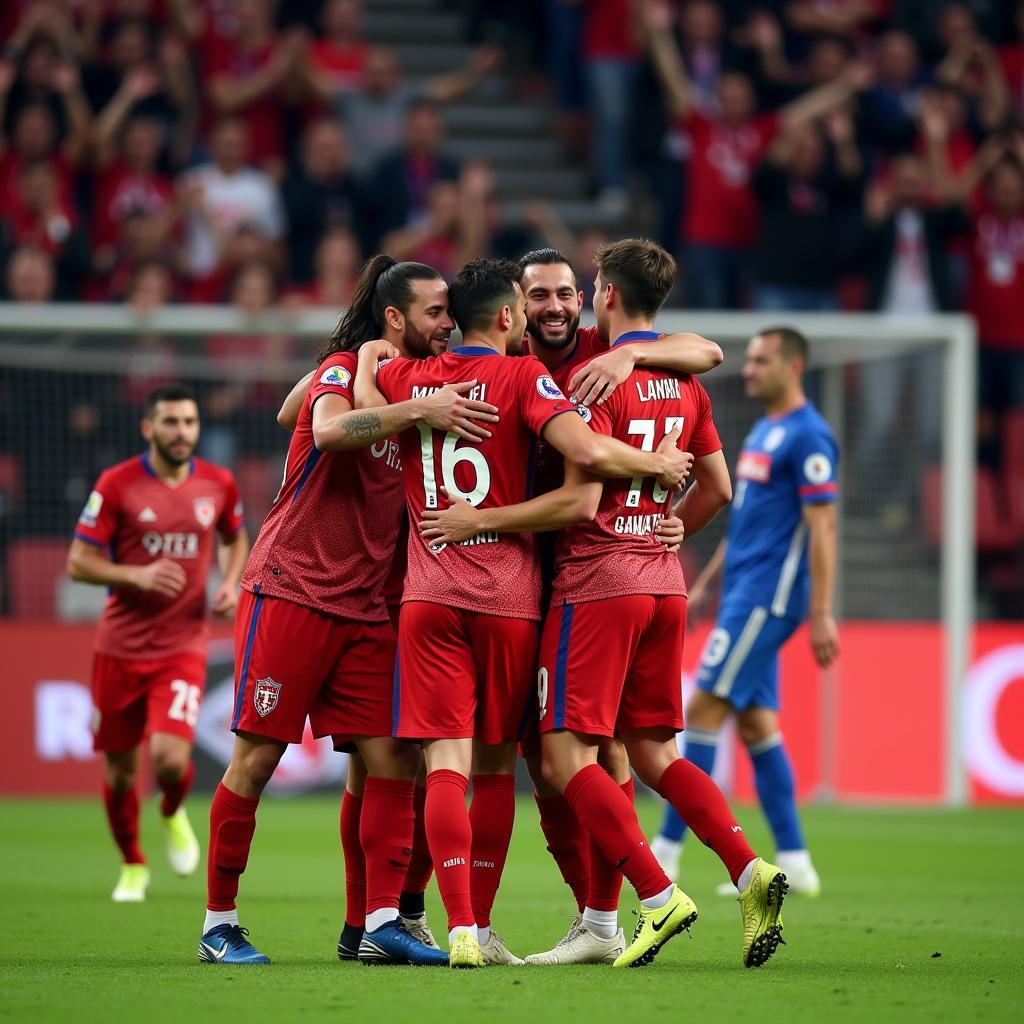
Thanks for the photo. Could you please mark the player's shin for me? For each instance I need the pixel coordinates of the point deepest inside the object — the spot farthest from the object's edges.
(232, 825)
(491, 816)
(450, 837)
(601, 912)
(421, 865)
(568, 843)
(122, 807)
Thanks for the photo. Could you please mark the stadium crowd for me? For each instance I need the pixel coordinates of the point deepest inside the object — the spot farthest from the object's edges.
(795, 154)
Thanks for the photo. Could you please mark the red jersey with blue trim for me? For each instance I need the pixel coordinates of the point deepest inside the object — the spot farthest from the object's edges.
(328, 539)
(493, 573)
(618, 552)
(140, 518)
(786, 462)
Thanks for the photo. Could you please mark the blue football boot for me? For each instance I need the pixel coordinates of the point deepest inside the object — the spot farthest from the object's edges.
(392, 944)
(227, 944)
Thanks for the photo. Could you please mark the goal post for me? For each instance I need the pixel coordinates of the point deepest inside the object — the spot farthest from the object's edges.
(889, 568)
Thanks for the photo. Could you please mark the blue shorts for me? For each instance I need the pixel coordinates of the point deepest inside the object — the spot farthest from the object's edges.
(740, 660)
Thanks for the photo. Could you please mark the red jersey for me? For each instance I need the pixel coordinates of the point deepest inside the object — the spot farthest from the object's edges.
(263, 115)
(329, 537)
(721, 208)
(618, 553)
(549, 471)
(493, 573)
(121, 192)
(996, 292)
(140, 518)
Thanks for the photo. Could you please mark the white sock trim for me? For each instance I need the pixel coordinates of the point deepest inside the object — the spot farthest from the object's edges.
(471, 929)
(218, 917)
(745, 875)
(603, 923)
(483, 935)
(376, 918)
(659, 900)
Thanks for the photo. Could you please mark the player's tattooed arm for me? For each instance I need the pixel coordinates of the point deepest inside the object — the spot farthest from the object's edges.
(683, 353)
(362, 425)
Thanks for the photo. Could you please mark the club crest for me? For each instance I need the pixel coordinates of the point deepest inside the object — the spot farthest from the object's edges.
(205, 510)
(266, 695)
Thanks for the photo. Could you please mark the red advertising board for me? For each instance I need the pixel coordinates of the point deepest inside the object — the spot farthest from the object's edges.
(874, 729)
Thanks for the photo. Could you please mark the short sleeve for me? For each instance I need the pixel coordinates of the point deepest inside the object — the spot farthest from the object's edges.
(334, 376)
(99, 519)
(540, 397)
(389, 374)
(815, 463)
(232, 515)
(589, 343)
(704, 439)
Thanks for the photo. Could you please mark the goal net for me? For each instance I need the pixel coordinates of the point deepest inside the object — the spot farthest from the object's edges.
(897, 393)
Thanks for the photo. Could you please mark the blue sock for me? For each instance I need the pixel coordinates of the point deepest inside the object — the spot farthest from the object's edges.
(701, 747)
(777, 792)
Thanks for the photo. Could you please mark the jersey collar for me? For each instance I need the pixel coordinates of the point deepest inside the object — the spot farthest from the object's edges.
(474, 350)
(629, 336)
(148, 466)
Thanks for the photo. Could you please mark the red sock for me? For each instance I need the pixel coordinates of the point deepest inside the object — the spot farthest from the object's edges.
(175, 790)
(385, 831)
(701, 805)
(451, 838)
(610, 818)
(123, 815)
(568, 843)
(355, 862)
(421, 866)
(605, 878)
(232, 824)
(491, 816)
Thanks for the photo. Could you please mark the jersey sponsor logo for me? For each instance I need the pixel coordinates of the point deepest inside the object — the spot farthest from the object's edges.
(547, 388)
(336, 376)
(172, 545)
(205, 510)
(147, 515)
(388, 450)
(818, 468)
(756, 466)
(774, 438)
(91, 512)
(658, 388)
(265, 696)
(638, 526)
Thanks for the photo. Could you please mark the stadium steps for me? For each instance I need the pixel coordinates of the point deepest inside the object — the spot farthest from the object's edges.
(517, 137)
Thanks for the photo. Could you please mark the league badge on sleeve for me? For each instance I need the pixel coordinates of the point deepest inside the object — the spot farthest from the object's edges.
(265, 696)
(547, 388)
(337, 376)
(818, 468)
(91, 512)
(205, 510)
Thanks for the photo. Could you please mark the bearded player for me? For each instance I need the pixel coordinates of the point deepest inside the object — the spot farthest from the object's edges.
(149, 532)
(313, 637)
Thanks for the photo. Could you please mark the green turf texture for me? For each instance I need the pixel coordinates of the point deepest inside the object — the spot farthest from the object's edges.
(900, 886)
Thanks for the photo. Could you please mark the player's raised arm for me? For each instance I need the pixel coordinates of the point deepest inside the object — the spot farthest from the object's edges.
(576, 501)
(821, 561)
(683, 353)
(339, 427)
(288, 414)
(604, 456)
(709, 493)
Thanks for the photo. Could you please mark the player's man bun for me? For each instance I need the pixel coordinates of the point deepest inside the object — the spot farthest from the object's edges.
(383, 282)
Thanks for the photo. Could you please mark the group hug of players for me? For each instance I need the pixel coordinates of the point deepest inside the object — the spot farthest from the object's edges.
(537, 607)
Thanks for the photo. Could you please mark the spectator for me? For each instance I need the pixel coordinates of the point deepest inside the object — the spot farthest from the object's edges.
(903, 249)
(249, 75)
(720, 219)
(30, 276)
(38, 217)
(996, 293)
(438, 236)
(892, 104)
(805, 200)
(151, 360)
(336, 265)
(233, 211)
(403, 180)
(611, 63)
(838, 17)
(1011, 59)
(321, 195)
(376, 115)
(338, 58)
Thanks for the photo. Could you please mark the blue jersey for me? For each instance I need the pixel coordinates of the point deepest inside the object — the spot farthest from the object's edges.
(786, 462)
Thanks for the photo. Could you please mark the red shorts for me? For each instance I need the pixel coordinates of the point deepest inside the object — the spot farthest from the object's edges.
(609, 667)
(294, 662)
(134, 699)
(463, 674)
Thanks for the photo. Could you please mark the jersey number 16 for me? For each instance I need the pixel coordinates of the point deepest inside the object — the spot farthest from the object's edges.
(451, 456)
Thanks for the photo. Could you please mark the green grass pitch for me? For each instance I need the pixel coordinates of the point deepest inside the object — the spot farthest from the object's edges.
(900, 887)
